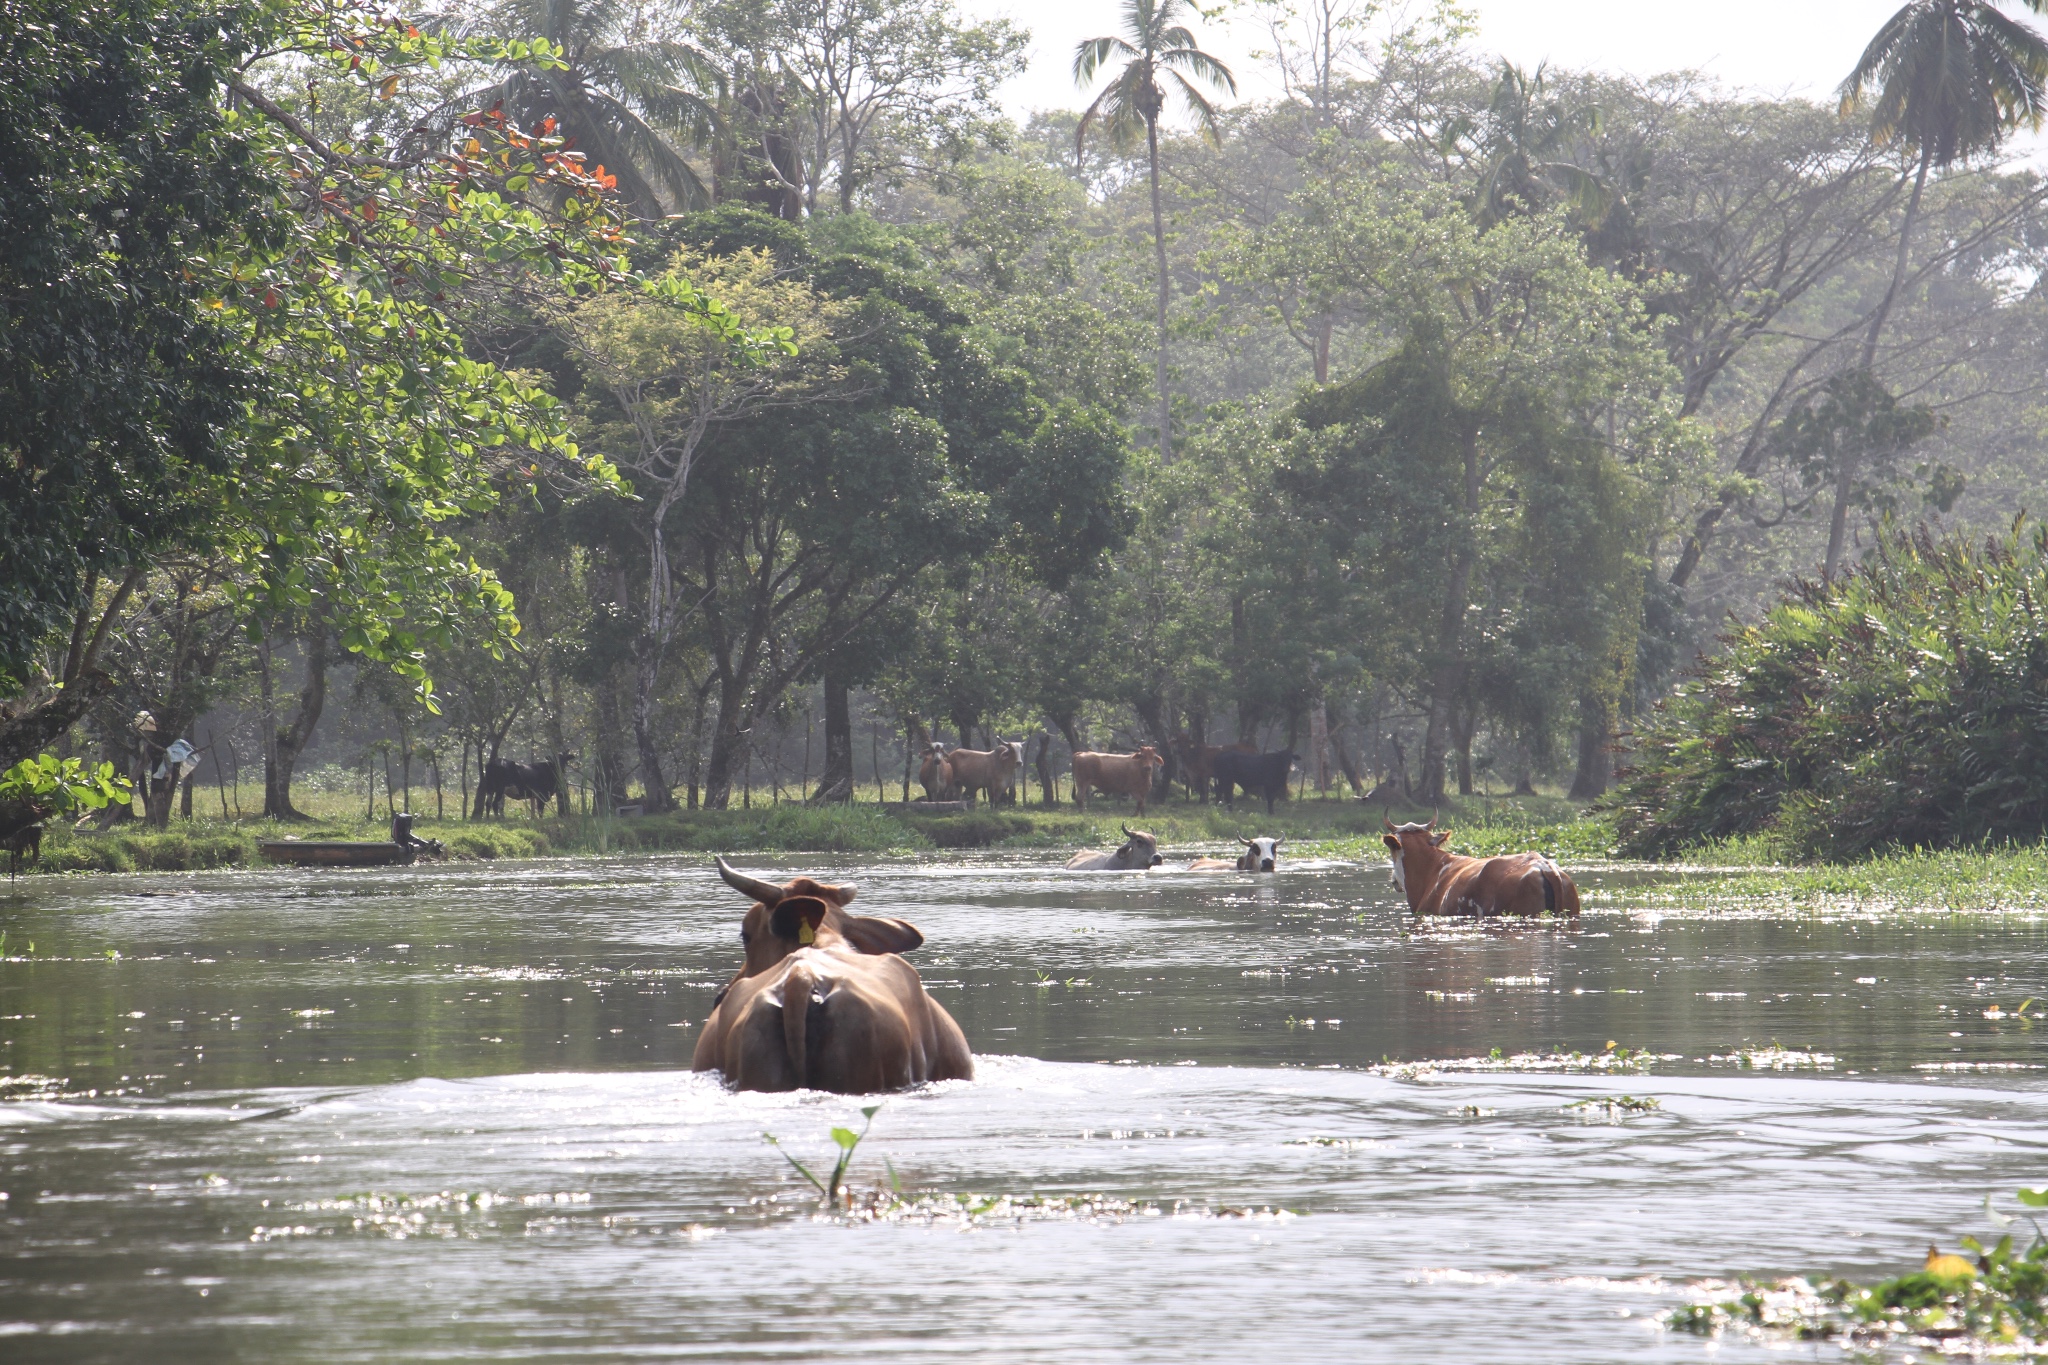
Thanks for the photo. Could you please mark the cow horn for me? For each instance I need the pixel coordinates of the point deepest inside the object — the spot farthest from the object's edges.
(1246, 842)
(1385, 821)
(1125, 828)
(1432, 816)
(768, 893)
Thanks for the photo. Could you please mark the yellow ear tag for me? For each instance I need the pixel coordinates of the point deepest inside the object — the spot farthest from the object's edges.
(805, 934)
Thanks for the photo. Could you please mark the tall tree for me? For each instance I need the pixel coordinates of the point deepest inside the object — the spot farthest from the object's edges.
(1943, 81)
(630, 101)
(1159, 53)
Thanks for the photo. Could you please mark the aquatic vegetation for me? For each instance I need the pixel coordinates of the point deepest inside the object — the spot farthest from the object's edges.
(1615, 1058)
(1015, 1210)
(1993, 1301)
(1775, 1058)
(847, 1140)
(1613, 1107)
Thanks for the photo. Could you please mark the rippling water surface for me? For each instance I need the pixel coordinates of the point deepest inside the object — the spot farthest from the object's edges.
(446, 1114)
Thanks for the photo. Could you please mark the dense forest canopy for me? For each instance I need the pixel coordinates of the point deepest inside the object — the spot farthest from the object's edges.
(659, 383)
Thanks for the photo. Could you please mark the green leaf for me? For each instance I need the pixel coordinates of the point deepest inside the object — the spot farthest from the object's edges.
(2034, 1198)
(849, 1139)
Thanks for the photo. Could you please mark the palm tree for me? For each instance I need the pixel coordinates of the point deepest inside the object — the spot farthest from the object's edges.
(625, 100)
(1943, 80)
(1159, 54)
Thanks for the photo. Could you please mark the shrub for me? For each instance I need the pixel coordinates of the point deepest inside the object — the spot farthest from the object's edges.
(1903, 705)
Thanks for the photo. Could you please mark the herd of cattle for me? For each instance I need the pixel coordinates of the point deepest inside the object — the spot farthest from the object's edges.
(824, 1000)
(957, 774)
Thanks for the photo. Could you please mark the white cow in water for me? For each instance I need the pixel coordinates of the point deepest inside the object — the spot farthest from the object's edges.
(1260, 855)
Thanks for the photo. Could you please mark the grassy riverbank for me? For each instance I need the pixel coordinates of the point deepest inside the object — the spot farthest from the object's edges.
(1755, 875)
(1312, 828)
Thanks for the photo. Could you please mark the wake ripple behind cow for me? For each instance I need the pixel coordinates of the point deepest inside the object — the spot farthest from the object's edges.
(822, 1000)
(1442, 883)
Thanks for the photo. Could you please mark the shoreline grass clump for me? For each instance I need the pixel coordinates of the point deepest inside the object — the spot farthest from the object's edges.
(1897, 706)
(1993, 1299)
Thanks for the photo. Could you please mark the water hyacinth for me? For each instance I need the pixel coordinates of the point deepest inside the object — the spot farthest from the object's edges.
(1900, 705)
(1992, 1301)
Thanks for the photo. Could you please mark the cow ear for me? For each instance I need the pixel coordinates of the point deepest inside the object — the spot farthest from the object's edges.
(1439, 837)
(871, 934)
(1391, 842)
(798, 917)
(838, 895)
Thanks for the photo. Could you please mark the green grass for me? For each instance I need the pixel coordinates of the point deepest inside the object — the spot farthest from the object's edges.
(1313, 828)
(2006, 877)
(1757, 877)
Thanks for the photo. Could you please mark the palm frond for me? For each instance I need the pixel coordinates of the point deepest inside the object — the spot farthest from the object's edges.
(1092, 55)
(1200, 64)
(1205, 113)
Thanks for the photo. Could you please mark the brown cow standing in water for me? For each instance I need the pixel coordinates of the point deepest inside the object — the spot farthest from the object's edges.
(822, 1000)
(1440, 883)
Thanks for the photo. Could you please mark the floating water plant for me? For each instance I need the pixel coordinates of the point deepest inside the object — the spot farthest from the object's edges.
(847, 1141)
(1993, 1300)
(1613, 1106)
(1614, 1058)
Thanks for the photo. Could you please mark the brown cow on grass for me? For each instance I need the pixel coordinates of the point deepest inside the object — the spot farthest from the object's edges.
(1197, 761)
(1125, 774)
(990, 770)
(1441, 883)
(822, 1001)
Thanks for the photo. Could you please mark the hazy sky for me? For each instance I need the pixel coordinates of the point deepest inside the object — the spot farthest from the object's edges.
(1775, 46)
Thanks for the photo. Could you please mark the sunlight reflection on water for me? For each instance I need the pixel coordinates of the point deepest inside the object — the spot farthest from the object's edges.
(490, 1148)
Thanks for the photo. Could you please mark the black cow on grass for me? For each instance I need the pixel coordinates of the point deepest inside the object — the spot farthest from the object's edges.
(536, 782)
(1259, 774)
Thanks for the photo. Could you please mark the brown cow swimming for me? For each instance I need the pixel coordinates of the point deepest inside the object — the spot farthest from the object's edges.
(1128, 774)
(822, 1000)
(1441, 883)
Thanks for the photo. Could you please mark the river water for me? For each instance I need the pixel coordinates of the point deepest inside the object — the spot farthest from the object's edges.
(446, 1114)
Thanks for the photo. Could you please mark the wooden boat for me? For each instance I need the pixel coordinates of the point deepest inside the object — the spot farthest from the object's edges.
(335, 853)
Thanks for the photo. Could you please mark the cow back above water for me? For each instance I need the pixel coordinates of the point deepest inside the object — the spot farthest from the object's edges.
(1138, 852)
(1438, 882)
(1260, 855)
(824, 1001)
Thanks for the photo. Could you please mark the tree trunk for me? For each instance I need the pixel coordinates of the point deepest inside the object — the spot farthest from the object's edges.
(1319, 744)
(609, 776)
(1043, 763)
(289, 738)
(1448, 677)
(729, 754)
(653, 786)
(1165, 284)
(1324, 326)
(835, 784)
(1344, 763)
(1596, 756)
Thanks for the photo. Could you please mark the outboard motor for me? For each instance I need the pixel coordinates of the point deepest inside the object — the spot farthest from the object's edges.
(402, 835)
